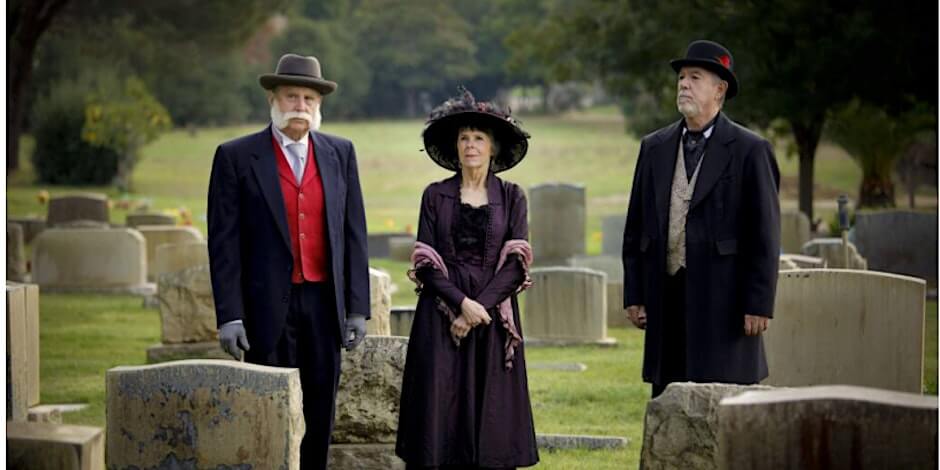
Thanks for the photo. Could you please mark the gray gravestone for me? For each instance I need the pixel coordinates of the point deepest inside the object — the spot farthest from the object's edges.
(899, 242)
(612, 233)
(566, 305)
(832, 252)
(77, 207)
(794, 230)
(138, 219)
(379, 243)
(16, 254)
(32, 226)
(557, 217)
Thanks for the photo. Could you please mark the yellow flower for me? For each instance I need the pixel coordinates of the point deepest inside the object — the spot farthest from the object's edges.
(42, 196)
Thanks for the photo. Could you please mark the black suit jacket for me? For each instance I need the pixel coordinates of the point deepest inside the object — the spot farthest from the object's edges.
(249, 244)
(732, 250)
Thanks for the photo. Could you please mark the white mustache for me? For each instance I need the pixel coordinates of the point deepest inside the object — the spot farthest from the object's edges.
(281, 119)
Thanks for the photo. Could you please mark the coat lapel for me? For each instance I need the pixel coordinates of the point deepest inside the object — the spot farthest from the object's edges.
(264, 165)
(664, 165)
(717, 156)
(328, 167)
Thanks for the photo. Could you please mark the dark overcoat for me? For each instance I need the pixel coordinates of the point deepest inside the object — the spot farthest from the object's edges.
(732, 250)
(249, 243)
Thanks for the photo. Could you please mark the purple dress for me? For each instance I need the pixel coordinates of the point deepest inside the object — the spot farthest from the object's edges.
(460, 406)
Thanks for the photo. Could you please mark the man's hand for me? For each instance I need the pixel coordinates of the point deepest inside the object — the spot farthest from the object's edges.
(460, 327)
(637, 316)
(755, 324)
(233, 339)
(474, 312)
(355, 331)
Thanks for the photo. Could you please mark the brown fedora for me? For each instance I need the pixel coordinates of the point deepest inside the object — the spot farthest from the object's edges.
(296, 70)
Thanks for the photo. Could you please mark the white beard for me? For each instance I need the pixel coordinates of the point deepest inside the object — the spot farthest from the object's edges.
(281, 119)
(688, 108)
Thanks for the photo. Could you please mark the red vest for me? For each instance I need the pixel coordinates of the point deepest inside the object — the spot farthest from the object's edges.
(306, 218)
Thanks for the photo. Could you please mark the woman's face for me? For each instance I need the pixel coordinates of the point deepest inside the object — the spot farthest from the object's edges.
(474, 148)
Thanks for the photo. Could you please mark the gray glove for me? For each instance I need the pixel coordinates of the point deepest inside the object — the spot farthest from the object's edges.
(355, 331)
(233, 339)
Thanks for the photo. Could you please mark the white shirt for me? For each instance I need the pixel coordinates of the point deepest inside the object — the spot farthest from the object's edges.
(283, 140)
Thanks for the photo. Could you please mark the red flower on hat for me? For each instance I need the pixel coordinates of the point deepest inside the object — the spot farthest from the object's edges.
(725, 60)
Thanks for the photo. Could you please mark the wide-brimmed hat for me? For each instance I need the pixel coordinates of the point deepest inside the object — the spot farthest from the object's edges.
(440, 131)
(710, 56)
(296, 70)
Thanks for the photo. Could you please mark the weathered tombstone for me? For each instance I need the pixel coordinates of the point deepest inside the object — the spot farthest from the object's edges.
(613, 267)
(612, 234)
(45, 446)
(16, 353)
(557, 217)
(147, 218)
(173, 257)
(75, 207)
(400, 319)
(899, 242)
(847, 327)
(833, 427)
(380, 293)
(794, 230)
(156, 235)
(187, 314)
(16, 254)
(681, 426)
(91, 260)
(832, 252)
(32, 226)
(379, 243)
(566, 306)
(803, 261)
(204, 414)
(400, 247)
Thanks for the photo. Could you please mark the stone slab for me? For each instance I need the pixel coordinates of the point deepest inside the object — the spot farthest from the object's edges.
(400, 319)
(32, 226)
(173, 257)
(204, 414)
(135, 220)
(180, 351)
(364, 457)
(156, 235)
(379, 243)
(804, 261)
(17, 351)
(612, 234)
(794, 230)
(31, 339)
(901, 242)
(367, 402)
(831, 427)
(557, 222)
(44, 414)
(559, 366)
(76, 207)
(16, 254)
(568, 304)
(91, 260)
(47, 446)
(552, 442)
(380, 295)
(187, 308)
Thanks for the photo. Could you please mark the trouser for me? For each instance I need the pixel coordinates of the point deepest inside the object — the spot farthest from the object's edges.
(309, 342)
(672, 357)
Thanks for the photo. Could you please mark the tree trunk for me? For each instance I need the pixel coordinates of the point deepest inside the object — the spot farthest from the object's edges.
(877, 191)
(806, 133)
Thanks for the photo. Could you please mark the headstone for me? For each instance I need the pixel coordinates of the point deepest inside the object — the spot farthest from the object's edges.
(613, 267)
(553, 442)
(74, 207)
(16, 254)
(32, 340)
(681, 426)
(557, 217)
(786, 264)
(174, 257)
(135, 220)
(44, 414)
(612, 234)
(32, 226)
(400, 320)
(367, 402)
(204, 414)
(803, 261)
(899, 242)
(400, 248)
(380, 294)
(156, 235)
(17, 397)
(616, 313)
(794, 230)
(187, 309)
(379, 243)
(832, 427)
(46, 446)
(91, 260)
(832, 252)
(566, 305)
(847, 327)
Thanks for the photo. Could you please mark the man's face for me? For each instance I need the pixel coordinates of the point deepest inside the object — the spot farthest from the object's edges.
(295, 109)
(699, 91)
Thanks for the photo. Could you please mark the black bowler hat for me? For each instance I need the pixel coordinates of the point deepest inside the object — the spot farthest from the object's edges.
(296, 70)
(710, 56)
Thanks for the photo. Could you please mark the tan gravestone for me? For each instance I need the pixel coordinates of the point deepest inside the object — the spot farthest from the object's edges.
(91, 260)
(847, 327)
(613, 267)
(803, 261)
(831, 427)
(46, 446)
(616, 313)
(400, 319)
(380, 293)
(566, 305)
(16, 254)
(32, 226)
(204, 414)
(75, 207)
(16, 353)
(794, 230)
(187, 309)
(173, 257)
(832, 251)
(786, 264)
(31, 292)
(145, 218)
(557, 220)
(156, 235)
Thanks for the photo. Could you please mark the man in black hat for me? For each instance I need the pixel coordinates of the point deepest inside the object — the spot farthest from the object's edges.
(287, 245)
(702, 237)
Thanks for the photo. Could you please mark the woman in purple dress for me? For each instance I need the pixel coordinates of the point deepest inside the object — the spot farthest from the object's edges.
(465, 397)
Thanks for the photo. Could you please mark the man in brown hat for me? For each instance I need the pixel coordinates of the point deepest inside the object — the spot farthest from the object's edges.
(702, 237)
(287, 245)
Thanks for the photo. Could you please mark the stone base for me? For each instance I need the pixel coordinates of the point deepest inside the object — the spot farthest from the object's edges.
(566, 342)
(551, 442)
(364, 457)
(54, 446)
(143, 290)
(174, 352)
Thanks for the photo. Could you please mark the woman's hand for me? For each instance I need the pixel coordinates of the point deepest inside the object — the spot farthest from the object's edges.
(473, 312)
(459, 327)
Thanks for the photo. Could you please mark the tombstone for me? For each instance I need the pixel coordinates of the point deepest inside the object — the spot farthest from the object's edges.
(400, 248)
(613, 267)
(794, 230)
(400, 320)
(157, 235)
(681, 426)
(187, 315)
(847, 327)
(380, 294)
(786, 264)
(557, 218)
(832, 427)
(17, 353)
(173, 257)
(612, 234)
(379, 243)
(803, 261)
(144, 218)
(91, 260)
(367, 405)
(204, 414)
(832, 252)
(32, 226)
(900, 242)
(46, 446)
(566, 306)
(16, 254)
(74, 207)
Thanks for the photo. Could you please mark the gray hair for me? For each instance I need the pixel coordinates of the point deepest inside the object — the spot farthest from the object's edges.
(486, 130)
